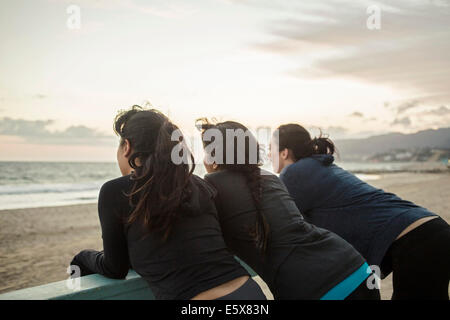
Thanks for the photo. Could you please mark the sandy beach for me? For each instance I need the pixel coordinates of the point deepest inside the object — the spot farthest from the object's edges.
(37, 244)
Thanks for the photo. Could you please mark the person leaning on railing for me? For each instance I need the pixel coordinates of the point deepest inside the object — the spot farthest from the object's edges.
(161, 220)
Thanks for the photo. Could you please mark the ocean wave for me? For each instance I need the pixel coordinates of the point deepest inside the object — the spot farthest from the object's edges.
(49, 188)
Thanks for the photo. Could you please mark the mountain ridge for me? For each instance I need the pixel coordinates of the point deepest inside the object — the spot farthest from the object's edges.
(366, 147)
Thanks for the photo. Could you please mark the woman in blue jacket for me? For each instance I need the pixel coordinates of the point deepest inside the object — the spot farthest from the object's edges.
(394, 234)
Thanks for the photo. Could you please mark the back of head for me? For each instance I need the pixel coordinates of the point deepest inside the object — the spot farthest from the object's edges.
(232, 145)
(160, 185)
(239, 153)
(297, 139)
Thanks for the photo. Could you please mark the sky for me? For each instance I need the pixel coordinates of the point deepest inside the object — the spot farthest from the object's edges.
(260, 62)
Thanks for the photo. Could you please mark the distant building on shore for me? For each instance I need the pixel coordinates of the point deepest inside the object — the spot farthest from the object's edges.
(412, 155)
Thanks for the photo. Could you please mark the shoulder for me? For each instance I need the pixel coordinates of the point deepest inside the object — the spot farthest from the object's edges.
(116, 186)
(303, 173)
(204, 185)
(268, 177)
(304, 166)
(272, 182)
(113, 198)
(229, 181)
(224, 177)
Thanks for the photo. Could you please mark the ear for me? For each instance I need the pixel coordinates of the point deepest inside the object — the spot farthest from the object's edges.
(215, 166)
(126, 148)
(284, 154)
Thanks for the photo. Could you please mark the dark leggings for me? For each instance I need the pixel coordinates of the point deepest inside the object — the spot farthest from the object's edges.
(250, 290)
(420, 262)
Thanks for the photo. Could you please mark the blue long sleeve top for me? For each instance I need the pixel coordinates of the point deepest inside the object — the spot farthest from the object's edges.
(335, 199)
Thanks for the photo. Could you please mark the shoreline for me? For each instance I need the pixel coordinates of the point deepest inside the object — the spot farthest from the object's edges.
(94, 202)
(418, 171)
(62, 192)
(39, 243)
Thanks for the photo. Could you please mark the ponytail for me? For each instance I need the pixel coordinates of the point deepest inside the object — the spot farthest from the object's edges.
(322, 145)
(297, 139)
(261, 228)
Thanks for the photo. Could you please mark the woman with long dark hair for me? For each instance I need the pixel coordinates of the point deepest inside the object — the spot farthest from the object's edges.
(161, 220)
(394, 234)
(263, 227)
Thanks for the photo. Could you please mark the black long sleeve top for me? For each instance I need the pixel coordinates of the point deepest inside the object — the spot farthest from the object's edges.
(302, 261)
(193, 259)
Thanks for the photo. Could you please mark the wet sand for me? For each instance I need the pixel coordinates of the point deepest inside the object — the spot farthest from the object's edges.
(37, 244)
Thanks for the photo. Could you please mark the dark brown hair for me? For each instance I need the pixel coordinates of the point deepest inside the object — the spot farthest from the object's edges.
(250, 169)
(160, 186)
(298, 140)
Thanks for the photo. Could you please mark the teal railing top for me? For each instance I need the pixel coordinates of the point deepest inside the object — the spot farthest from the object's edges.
(91, 287)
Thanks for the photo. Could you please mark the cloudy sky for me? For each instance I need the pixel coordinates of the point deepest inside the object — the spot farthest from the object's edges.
(261, 62)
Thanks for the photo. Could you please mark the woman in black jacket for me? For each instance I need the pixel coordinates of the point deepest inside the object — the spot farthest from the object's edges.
(160, 219)
(262, 225)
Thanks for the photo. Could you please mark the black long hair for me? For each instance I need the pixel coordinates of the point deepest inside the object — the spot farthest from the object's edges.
(249, 167)
(297, 139)
(160, 186)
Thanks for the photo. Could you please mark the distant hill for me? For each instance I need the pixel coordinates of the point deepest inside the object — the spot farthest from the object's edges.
(355, 149)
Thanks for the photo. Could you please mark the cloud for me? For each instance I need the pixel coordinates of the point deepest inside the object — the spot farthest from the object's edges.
(405, 121)
(423, 115)
(441, 111)
(24, 128)
(407, 105)
(280, 47)
(359, 116)
(37, 131)
(410, 51)
(334, 132)
(158, 8)
(418, 108)
(356, 114)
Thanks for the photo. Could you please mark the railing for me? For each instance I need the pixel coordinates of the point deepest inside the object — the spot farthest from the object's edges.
(92, 287)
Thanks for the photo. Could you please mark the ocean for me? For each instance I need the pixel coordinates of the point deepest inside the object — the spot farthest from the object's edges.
(39, 184)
